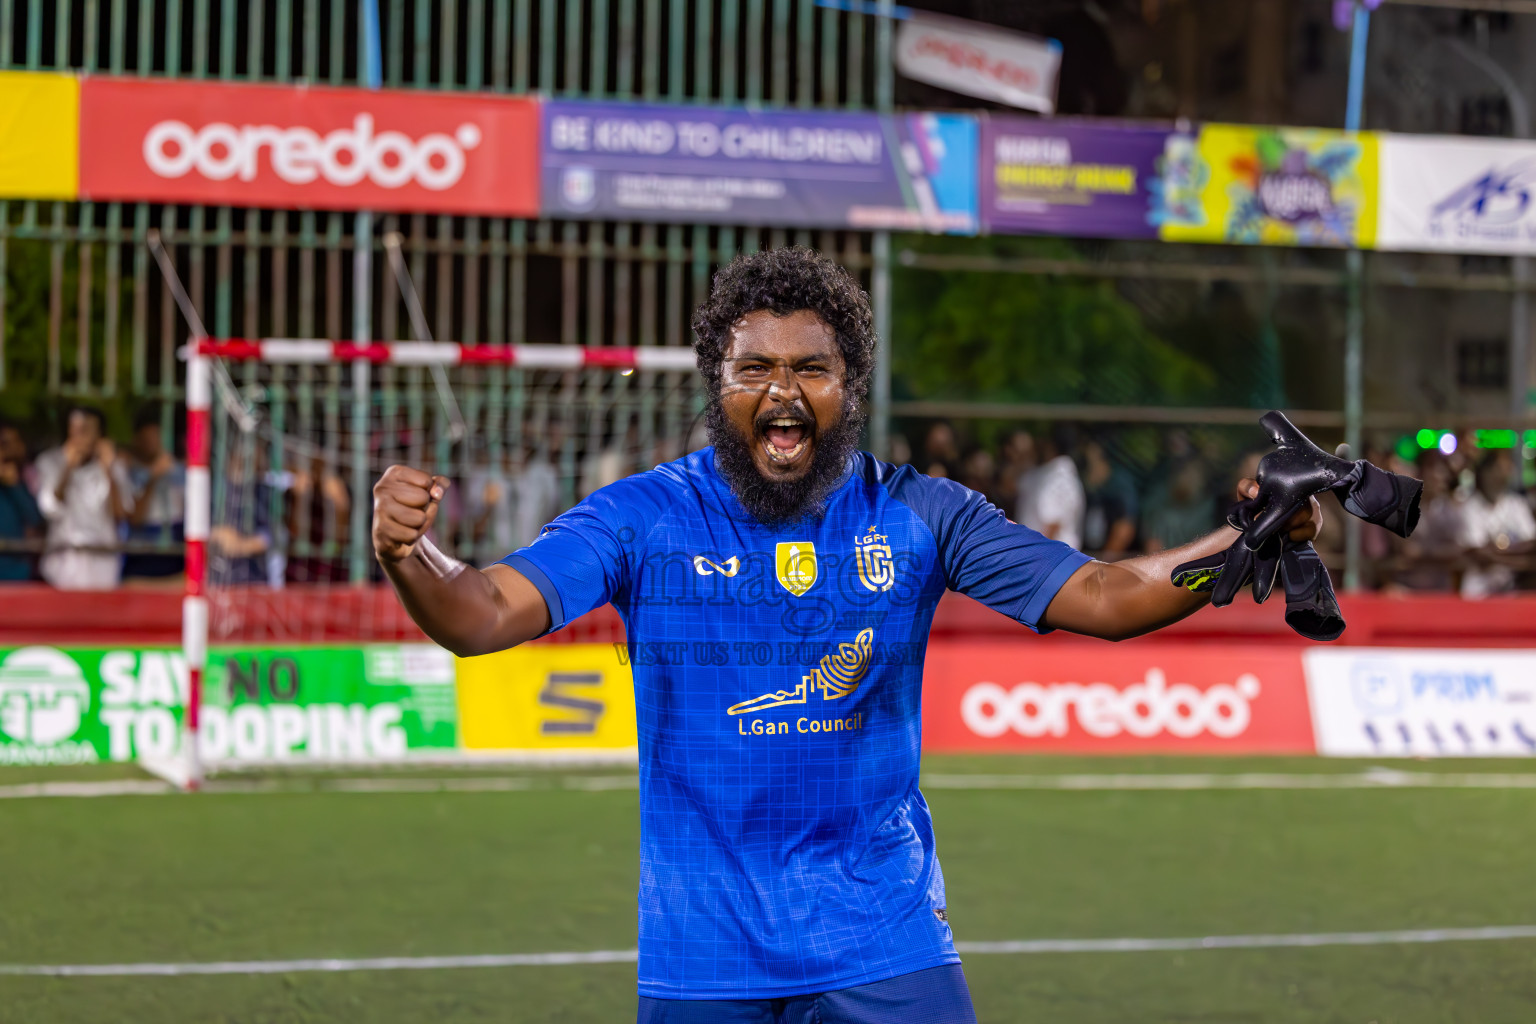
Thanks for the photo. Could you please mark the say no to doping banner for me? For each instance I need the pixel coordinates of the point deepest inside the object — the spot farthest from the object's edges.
(79, 706)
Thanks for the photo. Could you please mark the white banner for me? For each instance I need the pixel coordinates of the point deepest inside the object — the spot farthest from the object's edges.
(980, 60)
(1390, 702)
(1454, 194)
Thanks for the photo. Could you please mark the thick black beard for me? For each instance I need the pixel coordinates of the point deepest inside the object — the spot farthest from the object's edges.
(783, 502)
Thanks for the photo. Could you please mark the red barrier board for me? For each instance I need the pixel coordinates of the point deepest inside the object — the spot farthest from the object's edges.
(1000, 696)
(308, 148)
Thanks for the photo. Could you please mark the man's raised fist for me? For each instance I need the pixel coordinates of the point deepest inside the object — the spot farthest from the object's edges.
(405, 504)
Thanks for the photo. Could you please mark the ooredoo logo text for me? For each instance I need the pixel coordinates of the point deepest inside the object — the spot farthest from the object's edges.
(298, 155)
(1145, 709)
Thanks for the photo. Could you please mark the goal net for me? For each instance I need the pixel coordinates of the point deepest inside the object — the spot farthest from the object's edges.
(285, 441)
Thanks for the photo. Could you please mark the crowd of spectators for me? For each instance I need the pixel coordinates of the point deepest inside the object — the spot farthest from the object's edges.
(1477, 535)
(86, 513)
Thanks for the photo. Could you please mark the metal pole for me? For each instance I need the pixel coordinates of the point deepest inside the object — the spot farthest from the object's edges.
(1354, 335)
(362, 324)
(880, 274)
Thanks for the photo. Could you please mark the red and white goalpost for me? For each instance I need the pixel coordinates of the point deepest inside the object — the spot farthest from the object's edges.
(277, 428)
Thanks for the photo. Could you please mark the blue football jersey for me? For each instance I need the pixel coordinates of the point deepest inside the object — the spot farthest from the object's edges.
(784, 845)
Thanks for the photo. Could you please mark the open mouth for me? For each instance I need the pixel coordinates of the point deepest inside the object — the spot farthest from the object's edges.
(785, 439)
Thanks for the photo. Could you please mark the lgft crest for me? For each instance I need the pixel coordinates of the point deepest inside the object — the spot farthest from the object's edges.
(872, 553)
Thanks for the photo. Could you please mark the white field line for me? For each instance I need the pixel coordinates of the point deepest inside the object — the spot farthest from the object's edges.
(1307, 940)
(1380, 778)
(465, 784)
(614, 956)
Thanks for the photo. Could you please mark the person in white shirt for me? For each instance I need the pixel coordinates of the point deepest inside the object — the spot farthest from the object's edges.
(1051, 498)
(1496, 523)
(83, 493)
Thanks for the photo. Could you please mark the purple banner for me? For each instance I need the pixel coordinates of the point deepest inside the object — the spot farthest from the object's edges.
(649, 162)
(1054, 178)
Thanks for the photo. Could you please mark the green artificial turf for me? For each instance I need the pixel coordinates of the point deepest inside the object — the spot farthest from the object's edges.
(295, 874)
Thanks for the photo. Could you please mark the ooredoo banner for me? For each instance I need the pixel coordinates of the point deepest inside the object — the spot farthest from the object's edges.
(792, 168)
(1059, 178)
(308, 147)
(1000, 697)
(1386, 702)
(1457, 194)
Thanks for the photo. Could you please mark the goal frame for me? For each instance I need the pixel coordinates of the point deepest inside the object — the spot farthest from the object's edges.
(201, 355)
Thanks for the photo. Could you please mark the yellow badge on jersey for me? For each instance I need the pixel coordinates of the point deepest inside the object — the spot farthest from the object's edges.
(796, 562)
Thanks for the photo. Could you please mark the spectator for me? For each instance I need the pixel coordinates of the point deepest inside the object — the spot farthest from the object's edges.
(1496, 525)
(979, 473)
(83, 492)
(941, 452)
(1109, 525)
(536, 495)
(901, 450)
(240, 544)
(1432, 549)
(318, 521)
(1019, 457)
(20, 519)
(159, 485)
(1179, 510)
(1051, 498)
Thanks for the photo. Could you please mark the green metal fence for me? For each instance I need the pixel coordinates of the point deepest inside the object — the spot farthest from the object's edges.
(89, 318)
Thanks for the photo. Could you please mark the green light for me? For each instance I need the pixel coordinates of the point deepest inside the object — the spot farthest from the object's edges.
(1496, 438)
(1530, 438)
(1429, 438)
(1407, 448)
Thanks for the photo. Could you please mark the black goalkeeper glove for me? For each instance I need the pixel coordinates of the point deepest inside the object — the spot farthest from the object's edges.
(1311, 608)
(1225, 573)
(1298, 469)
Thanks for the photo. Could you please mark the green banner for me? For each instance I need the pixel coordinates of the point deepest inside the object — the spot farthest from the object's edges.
(328, 703)
(82, 705)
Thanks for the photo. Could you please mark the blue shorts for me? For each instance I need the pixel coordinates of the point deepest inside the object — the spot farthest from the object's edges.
(937, 995)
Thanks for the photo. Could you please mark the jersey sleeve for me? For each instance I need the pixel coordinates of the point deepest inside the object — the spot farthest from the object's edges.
(583, 558)
(1007, 567)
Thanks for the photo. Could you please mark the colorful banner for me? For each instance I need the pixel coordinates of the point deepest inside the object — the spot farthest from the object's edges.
(548, 697)
(1000, 697)
(308, 147)
(1062, 178)
(39, 135)
(1385, 702)
(796, 168)
(1443, 194)
(1269, 186)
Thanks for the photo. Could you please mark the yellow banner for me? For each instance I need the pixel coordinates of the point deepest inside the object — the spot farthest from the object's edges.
(547, 697)
(1269, 186)
(39, 135)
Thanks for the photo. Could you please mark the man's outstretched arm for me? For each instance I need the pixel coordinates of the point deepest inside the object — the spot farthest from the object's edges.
(1119, 600)
(467, 610)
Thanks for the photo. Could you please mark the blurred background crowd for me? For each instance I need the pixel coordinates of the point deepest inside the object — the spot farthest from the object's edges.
(82, 510)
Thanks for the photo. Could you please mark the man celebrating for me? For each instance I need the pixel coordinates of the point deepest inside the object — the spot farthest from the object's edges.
(777, 590)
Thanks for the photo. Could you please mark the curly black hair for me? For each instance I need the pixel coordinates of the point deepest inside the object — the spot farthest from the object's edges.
(784, 281)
